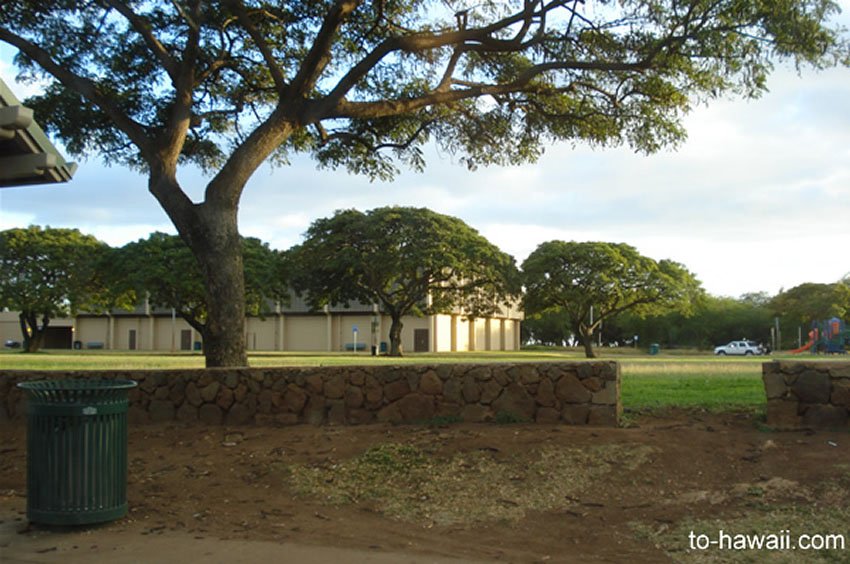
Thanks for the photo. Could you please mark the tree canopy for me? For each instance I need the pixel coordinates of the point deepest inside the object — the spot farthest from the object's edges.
(407, 260)
(610, 278)
(813, 302)
(713, 321)
(49, 273)
(162, 268)
(363, 85)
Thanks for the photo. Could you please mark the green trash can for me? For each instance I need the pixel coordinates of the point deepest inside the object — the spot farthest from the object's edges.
(654, 348)
(76, 450)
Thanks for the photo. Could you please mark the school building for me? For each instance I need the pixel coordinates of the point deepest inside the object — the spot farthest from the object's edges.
(285, 328)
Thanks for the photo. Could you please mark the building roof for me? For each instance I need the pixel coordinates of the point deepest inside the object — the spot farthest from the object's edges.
(26, 154)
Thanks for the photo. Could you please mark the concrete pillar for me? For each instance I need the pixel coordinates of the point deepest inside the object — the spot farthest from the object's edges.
(502, 334)
(280, 342)
(454, 333)
(330, 329)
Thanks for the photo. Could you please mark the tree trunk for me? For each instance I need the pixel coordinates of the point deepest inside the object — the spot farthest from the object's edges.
(586, 335)
(215, 243)
(395, 336)
(211, 229)
(588, 347)
(33, 335)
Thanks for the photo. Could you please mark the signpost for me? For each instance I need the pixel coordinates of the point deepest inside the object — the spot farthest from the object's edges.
(354, 331)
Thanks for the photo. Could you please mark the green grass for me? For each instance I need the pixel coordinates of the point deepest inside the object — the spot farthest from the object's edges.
(693, 380)
(707, 383)
(97, 360)
(140, 360)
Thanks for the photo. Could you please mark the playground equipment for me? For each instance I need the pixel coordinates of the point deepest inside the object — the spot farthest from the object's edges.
(830, 337)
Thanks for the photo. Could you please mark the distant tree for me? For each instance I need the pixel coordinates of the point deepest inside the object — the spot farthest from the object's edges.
(410, 261)
(551, 327)
(162, 267)
(227, 85)
(756, 299)
(607, 277)
(713, 321)
(47, 273)
(811, 302)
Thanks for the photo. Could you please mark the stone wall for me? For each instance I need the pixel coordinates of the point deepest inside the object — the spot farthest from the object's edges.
(573, 393)
(807, 394)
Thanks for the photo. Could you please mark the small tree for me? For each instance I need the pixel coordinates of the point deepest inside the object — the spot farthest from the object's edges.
(163, 268)
(228, 84)
(407, 260)
(608, 278)
(47, 273)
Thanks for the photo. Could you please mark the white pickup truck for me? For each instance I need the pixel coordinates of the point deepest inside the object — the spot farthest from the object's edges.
(743, 348)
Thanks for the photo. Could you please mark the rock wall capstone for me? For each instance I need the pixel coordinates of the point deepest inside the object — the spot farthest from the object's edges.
(813, 394)
(578, 393)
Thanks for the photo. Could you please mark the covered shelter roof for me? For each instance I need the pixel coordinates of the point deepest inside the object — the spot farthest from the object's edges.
(26, 154)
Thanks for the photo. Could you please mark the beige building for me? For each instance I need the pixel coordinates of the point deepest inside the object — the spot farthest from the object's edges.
(292, 328)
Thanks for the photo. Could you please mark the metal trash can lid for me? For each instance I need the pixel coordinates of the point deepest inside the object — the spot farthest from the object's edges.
(79, 391)
(81, 384)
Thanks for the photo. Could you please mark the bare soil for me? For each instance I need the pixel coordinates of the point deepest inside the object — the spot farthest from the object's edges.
(513, 492)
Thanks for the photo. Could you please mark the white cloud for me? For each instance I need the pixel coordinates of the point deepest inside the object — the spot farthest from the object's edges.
(119, 235)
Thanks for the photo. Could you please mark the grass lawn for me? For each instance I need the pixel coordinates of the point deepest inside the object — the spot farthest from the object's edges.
(141, 360)
(713, 384)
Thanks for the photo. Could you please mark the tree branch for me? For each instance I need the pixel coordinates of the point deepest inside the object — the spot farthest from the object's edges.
(348, 136)
(319, 55)
(193, 24)
(84, 87)
(226, 187)
(260, 42)
(190, 316)
(163, 184)
(171, 142)
(465, 40)
(411, 43)
(384, 108)
(142, 27)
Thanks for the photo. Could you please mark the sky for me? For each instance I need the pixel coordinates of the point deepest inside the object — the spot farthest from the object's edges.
(756, 200)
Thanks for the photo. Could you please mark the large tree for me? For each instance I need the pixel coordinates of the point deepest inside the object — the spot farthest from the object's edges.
(228, 84)
(813, 302)
(408, 261)
(162, 268)
(46, 273)
(592, 282)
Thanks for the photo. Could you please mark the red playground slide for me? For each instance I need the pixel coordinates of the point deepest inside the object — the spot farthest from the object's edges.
(805, 347)
(813, 336)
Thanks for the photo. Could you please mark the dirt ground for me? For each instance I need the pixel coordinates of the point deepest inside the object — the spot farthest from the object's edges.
(506, 493)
